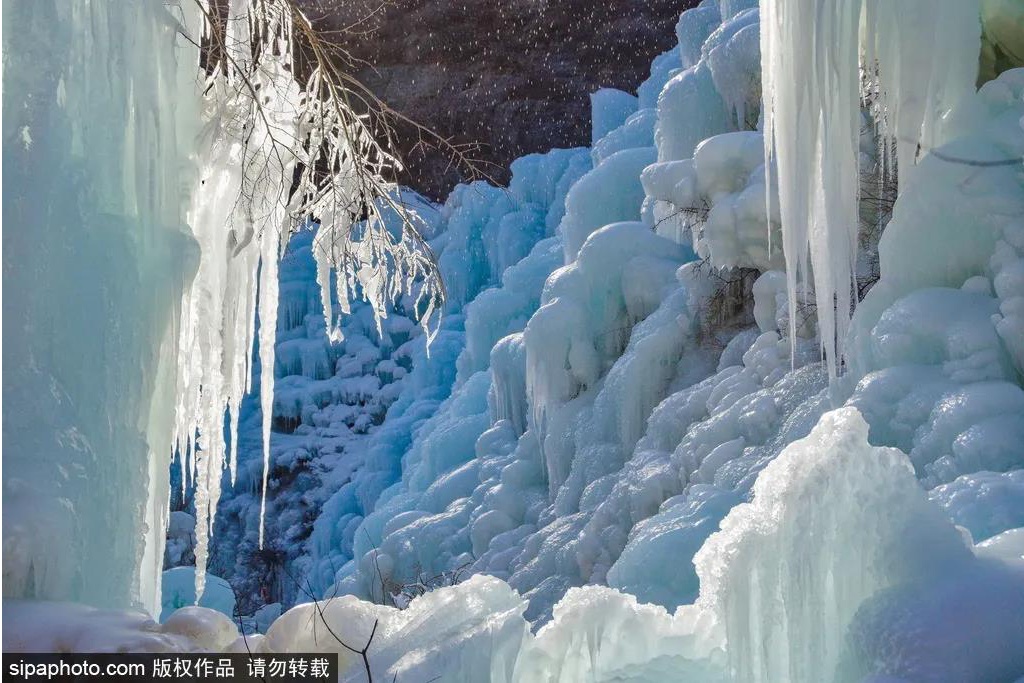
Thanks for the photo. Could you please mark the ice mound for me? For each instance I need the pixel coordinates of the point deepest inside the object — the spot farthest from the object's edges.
(609, 109)
(679, 529)
(838, 535)
(965, 625)
(984, 503)
(609, 193)
(1008, 546)
(179, 590)
(832, 520)
(717, 200)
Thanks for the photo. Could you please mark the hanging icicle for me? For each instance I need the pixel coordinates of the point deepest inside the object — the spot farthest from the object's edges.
(915, 58)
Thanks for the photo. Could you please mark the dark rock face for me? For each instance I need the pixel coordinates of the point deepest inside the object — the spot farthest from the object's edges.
(512, 75)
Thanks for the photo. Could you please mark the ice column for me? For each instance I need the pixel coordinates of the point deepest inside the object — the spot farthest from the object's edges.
(96, 254)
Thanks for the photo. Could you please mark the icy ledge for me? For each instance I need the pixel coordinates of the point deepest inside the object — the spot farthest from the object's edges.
(821, 576)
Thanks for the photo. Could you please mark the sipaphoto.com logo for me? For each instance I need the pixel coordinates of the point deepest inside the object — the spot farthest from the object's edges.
(56, 667)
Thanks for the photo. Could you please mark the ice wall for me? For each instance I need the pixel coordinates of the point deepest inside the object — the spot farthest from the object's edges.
(646, 395)
(517, 474)
(476, 243)
(96, 256)
(485, 235)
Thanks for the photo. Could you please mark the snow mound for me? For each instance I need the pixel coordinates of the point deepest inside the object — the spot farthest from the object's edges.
(68, 627)
(472, 632)
(984, 503)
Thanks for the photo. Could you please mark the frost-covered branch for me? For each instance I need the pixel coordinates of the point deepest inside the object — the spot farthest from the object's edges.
(336, 139)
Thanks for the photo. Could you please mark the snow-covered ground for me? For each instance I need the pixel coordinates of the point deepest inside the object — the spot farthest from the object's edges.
(649, 441)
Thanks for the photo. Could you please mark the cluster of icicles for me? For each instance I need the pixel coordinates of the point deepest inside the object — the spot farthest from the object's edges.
(261, 131)
(820, 63)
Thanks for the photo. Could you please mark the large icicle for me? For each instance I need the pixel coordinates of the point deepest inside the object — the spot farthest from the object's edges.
(811, 84)
(811, 75)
